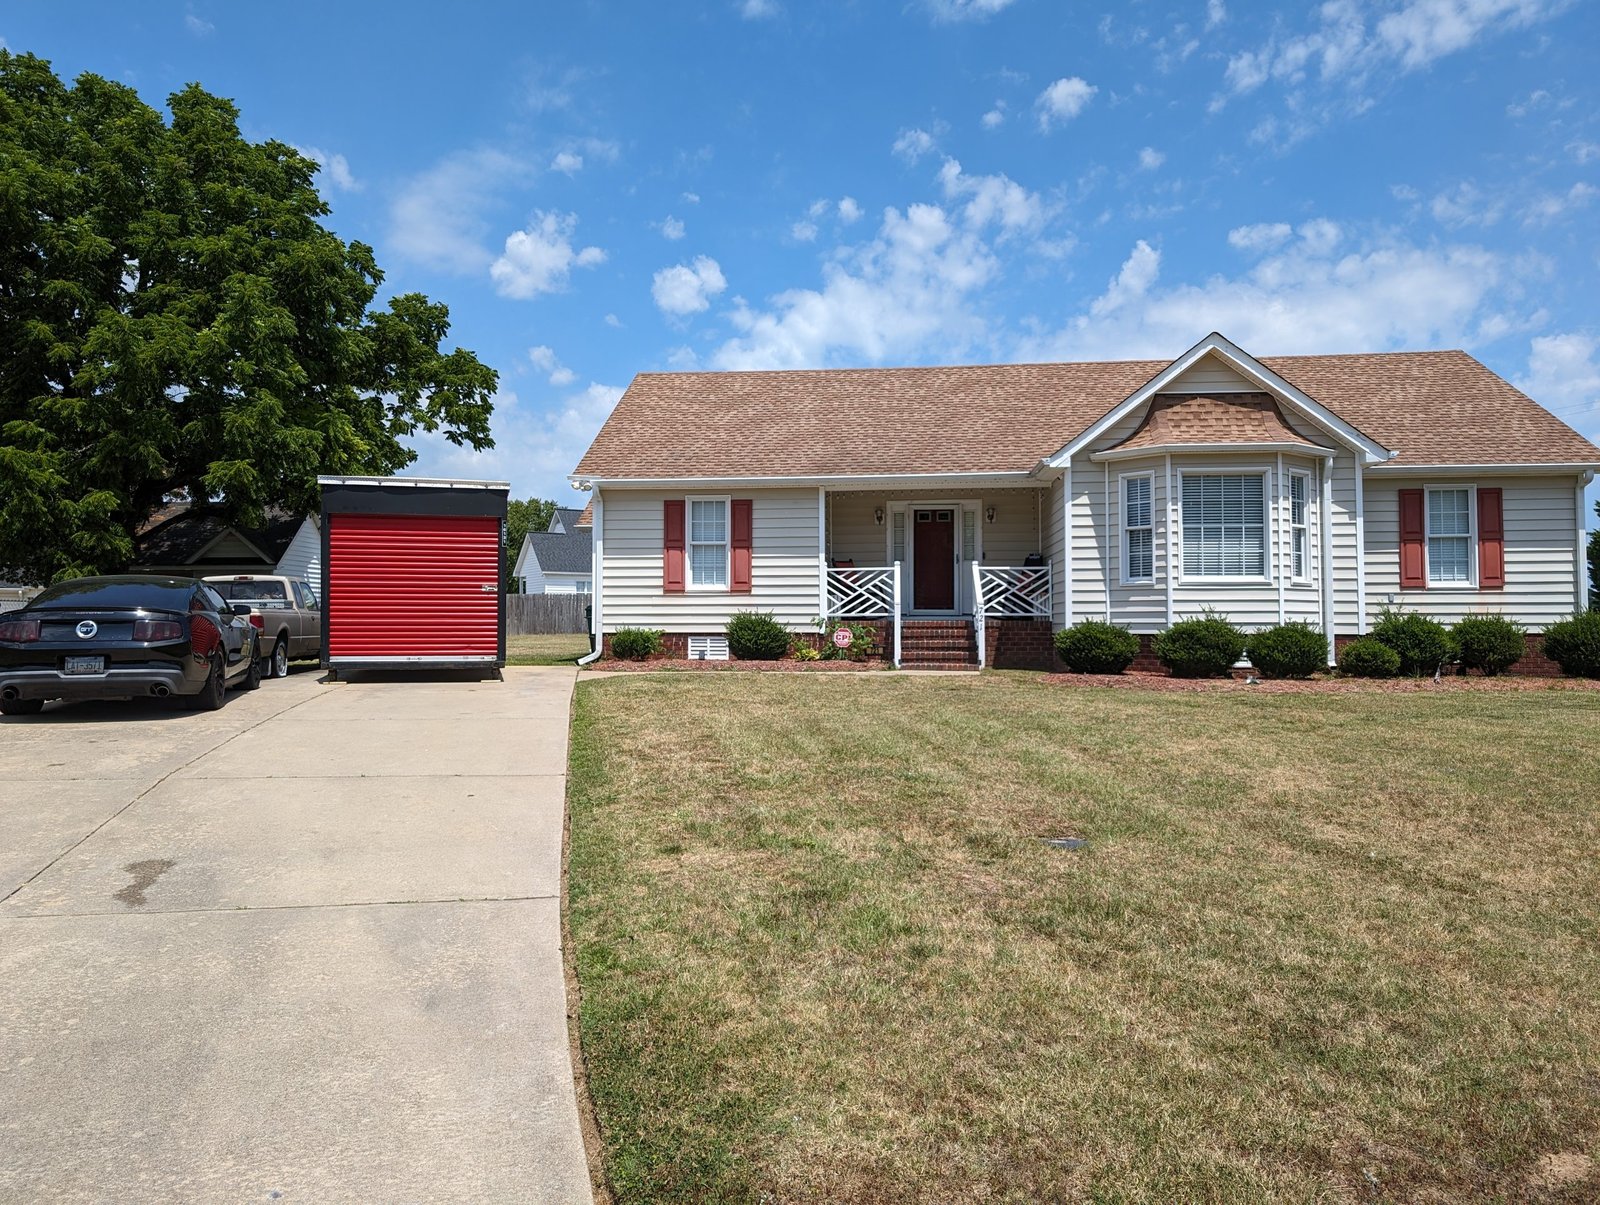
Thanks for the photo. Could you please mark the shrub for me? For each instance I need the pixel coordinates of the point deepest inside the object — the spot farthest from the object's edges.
(1200, 648)
(1574, 645)
(804, 652)
(1290, 650)
(862, 637)
(756, 636)
(1091, 647)
(1423, 644)
(1368, 658)
(1490, 643)
(635, 644)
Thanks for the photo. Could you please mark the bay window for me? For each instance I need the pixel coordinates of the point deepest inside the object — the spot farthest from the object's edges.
(1224, 525)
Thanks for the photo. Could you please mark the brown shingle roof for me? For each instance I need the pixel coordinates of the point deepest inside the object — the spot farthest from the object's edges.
(1232, 418)
(1432, 407)
(586, 519)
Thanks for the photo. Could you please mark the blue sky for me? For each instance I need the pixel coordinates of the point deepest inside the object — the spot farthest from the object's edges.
(598, 189)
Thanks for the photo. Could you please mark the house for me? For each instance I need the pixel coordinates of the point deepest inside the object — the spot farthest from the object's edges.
(14, 596)
(193, 541)
(303, 557)
(558, 560)
(970, 511)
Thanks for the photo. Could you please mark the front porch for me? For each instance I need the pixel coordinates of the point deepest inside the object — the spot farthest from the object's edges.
(954, 580)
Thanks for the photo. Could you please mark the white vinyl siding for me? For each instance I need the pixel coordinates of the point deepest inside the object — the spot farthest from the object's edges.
(1224, 525)
(1541, 534)
(1138, 529)
(561, 583)
(784, 564)
(1449, 527)
(1209, 374)
(303, 557)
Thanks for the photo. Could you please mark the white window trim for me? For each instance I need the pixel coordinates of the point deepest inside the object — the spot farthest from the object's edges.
(1472, 537)
(1305, 578)
(689, 583)
(1268, 533)
(1123, 528)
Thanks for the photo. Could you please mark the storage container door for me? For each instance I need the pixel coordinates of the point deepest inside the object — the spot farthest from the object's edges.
(413, 587)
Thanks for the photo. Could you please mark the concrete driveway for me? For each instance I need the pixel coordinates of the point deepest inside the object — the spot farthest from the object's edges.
(306, 948)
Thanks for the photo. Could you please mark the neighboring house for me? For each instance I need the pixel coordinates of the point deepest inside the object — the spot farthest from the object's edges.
(189, 541)
(303, 557)
(14, 596)
(560, 559)
(979, 508)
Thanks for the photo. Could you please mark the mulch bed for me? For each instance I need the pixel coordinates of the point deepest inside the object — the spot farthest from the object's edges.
(1323, 684)
(789, 665)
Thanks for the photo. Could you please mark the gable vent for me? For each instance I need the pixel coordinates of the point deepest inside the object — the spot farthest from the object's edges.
(708, 648)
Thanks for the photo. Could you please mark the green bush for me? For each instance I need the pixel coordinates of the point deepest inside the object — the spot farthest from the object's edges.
(756, 636)
(1423, 644)
(1490, 643)
(863, 636)
(1290, 650)
(1574, 645)
(1091, 647)
(1368, 658)
(635, 644)
(1200, 648)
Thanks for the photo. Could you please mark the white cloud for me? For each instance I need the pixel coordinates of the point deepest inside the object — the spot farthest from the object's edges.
(944, 11)
(849, 211)
(1131, 282)
(540, 258)
(563, 377)
(691, 198)
(688, 288)
(1150, 159)
(995, 117)
(613, 321)
(1062, 101)
(1536, 99)
(993, 199)
(1465, 205)
(803, 232)
(335, 168)
(913, 144)
(436, 218)
(1216, 13)
(545, 361)
(906, 293)
(671, 228)
(1552, 207)
(1564, 375)
(758, 10)
(198, 26)
(1263, 236)
(567, 163)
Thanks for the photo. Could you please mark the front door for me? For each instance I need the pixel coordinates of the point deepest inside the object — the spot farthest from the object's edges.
(933, 556)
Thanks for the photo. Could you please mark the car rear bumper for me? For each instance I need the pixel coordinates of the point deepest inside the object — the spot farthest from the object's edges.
(115, 683)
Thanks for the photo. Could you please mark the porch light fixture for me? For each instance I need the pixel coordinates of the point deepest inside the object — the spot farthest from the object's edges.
(877, 516)
(988, 514)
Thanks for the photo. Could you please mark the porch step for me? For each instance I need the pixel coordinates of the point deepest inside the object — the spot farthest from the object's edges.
(938, 644)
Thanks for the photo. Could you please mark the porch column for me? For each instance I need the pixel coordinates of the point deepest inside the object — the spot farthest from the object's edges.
(822, 553)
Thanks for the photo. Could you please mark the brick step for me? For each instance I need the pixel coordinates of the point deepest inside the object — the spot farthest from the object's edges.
(962, 654)
(935, 625)
(936, 642)
(944, 665)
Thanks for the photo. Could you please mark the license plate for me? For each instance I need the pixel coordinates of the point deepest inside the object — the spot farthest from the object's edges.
(85, 665)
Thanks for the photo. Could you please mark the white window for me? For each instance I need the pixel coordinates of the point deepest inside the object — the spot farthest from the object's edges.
(897, 535)
(1299, 492)
(708, 544)
(1138, 530)
(1450, 536)
(584, 585)
(1224, 525)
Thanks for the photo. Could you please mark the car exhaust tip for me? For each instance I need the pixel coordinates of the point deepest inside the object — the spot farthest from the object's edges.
(9, 694)
(160, 691)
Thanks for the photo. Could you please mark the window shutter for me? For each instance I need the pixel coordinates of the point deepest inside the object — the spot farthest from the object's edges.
(741, 531)
(672, 546)
(1413, 541)
(1491, 540)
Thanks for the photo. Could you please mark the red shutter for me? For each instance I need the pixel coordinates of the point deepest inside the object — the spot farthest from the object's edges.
(672, 546)
(1491, 541)
(1413, 541)
(741, 527)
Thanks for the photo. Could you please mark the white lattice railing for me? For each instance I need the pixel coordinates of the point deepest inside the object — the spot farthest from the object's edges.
(870, 592)
(1014, 591)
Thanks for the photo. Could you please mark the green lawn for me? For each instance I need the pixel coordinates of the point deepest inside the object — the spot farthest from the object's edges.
(1318, 948)
(545, 650)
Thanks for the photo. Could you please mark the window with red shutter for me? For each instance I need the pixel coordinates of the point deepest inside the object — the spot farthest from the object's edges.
(1491, 540)
(741, 527)
(1413, 541)
(672, 580)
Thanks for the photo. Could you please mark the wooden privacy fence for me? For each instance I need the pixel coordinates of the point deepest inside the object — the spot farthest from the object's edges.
(542, 614)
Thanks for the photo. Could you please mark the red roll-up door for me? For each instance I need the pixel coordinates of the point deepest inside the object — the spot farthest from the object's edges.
(413, 587)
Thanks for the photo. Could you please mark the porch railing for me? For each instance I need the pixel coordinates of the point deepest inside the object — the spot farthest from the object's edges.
(869, 592)
(1007, 592)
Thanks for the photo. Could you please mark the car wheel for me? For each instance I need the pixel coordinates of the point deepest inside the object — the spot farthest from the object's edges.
(214, 692)
(252, 675)
(21, 706)
(280, 658)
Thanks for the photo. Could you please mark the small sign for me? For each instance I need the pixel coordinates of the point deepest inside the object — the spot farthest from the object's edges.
(842, 638)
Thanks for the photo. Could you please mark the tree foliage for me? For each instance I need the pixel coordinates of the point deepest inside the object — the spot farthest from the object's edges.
(521, 518)
(176, 320)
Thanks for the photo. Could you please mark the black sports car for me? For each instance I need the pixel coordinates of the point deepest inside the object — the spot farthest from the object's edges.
(122, 637)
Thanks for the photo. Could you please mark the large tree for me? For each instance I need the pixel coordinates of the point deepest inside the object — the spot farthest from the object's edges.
(175, 320)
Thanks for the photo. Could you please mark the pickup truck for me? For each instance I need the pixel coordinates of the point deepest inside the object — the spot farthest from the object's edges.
(286, 611)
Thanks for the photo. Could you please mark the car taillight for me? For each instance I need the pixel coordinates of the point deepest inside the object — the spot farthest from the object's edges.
(157, 631)
(258, 623)
(19, 631)
(203, 636)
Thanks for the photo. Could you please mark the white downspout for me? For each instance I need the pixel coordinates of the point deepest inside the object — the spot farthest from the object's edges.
(1277, 534)
(822, 557)
(1105, 558)
(1325, 553)
(1167, 542)
(597, 569)
(1361, 546)
(1066, 546)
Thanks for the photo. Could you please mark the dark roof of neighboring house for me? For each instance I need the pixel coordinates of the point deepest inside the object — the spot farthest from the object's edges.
(1174, 419)
(568, 516)
(180, 537)
(558, 553)
(1438, 407)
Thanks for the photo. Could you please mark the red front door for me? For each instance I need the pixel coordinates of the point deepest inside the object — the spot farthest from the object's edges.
(933, 544)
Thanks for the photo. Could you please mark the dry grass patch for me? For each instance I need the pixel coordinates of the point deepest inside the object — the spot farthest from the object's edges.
(1338, 947)
(545, 650)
